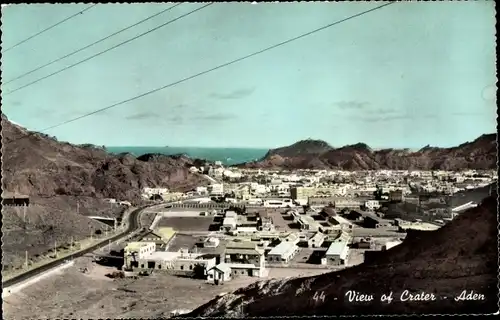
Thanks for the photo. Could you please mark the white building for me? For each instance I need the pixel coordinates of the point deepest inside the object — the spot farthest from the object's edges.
(372, 204)
(283, 252)
(202, 190)
(316, 240)
(219, 273)
(337, 253)
(211, 242)
(228, 224)
(193, 170)
(391, 244)
(216, 189)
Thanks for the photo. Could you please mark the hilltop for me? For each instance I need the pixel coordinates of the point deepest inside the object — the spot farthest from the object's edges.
(316, 154)
(38, 165)
(461, 255)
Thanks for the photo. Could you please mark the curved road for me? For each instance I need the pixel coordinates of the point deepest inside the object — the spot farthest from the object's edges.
(133, 224)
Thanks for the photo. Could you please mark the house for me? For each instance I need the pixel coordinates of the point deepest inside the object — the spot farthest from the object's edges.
(308, 223)
(372, 204)
(219, 274)
(265, 222)
(211, 242)
(283, 252)
(337, 253)
(135, 251)
(245, 256)
(316, 240)
(342, 222)
(160, 237)
(228, 224)
(141, 255)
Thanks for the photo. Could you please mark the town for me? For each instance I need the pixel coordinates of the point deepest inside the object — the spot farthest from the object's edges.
(246, 222)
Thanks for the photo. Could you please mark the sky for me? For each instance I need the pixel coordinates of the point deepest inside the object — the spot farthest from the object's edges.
(404, 76)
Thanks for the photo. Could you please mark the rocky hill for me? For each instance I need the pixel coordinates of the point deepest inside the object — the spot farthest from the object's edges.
(38, 165)
(316, 154)
(460, 256)
(66, 183)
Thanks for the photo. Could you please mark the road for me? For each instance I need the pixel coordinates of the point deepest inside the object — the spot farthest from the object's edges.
(133, 224)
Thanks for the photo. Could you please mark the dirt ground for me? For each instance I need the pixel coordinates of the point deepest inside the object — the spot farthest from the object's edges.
(181, 241)
(72, 294)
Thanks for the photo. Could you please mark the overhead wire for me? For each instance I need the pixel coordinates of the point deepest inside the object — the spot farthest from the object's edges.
(92, 44)
(48, 28)
(218, 67)
(107, 50)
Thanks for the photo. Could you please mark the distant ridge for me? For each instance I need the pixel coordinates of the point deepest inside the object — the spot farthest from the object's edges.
(317, 154)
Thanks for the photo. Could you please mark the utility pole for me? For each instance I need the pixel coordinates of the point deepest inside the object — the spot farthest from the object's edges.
(55, 249)
(26, 259)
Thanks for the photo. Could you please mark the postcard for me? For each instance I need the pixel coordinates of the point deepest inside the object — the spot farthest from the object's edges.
(249, 159)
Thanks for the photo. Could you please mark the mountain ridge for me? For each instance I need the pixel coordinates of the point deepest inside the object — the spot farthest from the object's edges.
(39, 165)
(480, 153)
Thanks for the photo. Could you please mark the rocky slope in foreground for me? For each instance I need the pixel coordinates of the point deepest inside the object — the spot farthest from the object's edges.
(38, 165)
(460, 256)
(316, 154)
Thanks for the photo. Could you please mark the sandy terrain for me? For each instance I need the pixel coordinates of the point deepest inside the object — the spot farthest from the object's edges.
(72, 294)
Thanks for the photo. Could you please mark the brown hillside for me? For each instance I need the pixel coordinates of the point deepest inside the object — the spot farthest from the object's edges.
(38, 165)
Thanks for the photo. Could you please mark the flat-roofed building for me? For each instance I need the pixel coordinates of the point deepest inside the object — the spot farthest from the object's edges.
(228, 224)
(337, 253)
(246, 254)
(308, 223)
(337, 202)
(283, 252)
(316, 240)
(342, 222)
(230, 214)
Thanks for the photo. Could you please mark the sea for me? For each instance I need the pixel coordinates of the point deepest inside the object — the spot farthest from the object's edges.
(228, 156)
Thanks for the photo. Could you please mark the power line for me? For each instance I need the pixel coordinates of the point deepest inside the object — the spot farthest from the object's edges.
(202, 73)
(107, 50)
(92, 44)
(218, 67)
(47, 29)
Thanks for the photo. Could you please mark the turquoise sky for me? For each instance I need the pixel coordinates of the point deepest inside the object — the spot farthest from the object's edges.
(407, 75)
